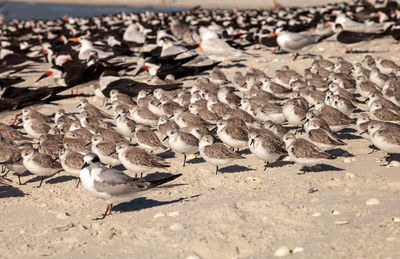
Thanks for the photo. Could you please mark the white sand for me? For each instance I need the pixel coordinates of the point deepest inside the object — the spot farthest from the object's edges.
(240, 213)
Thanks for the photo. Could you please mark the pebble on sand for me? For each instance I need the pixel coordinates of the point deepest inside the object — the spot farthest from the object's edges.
(372, 201)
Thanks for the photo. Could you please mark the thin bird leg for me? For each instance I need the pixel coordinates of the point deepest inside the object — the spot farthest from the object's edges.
(19, 180)
(295, 56)
(266, 165)
(108, 212)
(77, 184)
(388, 159)
(6, 170)
(41, 181)
(184, 160)
(216, 169)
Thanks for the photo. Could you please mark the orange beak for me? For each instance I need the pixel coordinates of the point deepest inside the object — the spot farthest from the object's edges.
(145, 67)
(69, 59)
(334, 14)
(273, 35)
(45, 52)
(328, 25)
(74, 39)
(378, 14)
(201, 49)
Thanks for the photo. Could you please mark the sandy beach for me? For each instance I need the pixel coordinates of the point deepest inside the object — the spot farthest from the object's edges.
(242, 212)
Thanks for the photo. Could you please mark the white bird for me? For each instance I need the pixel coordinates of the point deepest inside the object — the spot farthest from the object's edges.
(217, 49)
(112, 185)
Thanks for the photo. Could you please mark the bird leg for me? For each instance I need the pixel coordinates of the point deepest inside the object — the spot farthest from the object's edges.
(41, 181)
(4, 170)
(266, 165)
(295, 56)
(184, 160)
(108, 212)
(19, 180)
(216, 169)
(389, 159)
(77, 184)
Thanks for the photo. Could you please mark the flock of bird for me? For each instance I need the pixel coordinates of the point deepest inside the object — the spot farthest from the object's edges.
(214, 118)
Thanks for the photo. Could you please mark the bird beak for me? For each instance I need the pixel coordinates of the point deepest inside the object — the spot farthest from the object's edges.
(273, 35)
(47, 74)
(79, 105)
(119, 115)
(19, 159)
(200, 48)
(84, 165)
(165, 138)
(252, 142)
(112, 153)
(88, 144)
(365, 131)
(74, 39)
(142, 69)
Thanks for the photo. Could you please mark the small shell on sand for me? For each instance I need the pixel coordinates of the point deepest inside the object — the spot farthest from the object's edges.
(396, 219)
(177, 227)
(335, 212)
(372, 201)
(159, 215)
(173, 213)
(342, 222)
(298, 250)
(282, 251)
(347, 160)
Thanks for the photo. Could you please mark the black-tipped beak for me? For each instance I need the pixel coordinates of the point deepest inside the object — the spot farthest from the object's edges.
(42, 76)
(140, 71)
(165, 138)
(252, 142)
(88, 144)
(119, 115)
(84, 165)
(304, 119)
(312, 106)
(19, 159)
(112, 153)
(365, 131)
(79, 105)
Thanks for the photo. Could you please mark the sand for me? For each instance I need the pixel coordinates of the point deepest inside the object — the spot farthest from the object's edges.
(243, 212)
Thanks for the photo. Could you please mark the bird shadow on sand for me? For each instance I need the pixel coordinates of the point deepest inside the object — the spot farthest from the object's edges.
(166, 154)
(280, 163)
(196, 160)
(142, 203)
(319, 168)
(237, 65)
(347, 134)
(235, 169)
(338, 152)
(61, 179)
(10, 191)
(244, 152)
